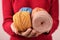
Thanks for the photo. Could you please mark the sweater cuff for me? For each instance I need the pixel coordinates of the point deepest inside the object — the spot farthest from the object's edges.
(7, 28)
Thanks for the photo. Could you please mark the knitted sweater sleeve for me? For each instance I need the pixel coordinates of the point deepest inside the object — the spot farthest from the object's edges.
(54, 11)
(7, 16)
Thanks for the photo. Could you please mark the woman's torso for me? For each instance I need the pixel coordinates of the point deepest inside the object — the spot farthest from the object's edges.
(17, 4)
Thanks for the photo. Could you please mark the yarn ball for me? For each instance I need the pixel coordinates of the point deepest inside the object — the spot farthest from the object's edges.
(41, 20)
(22, 19)
(27, 9)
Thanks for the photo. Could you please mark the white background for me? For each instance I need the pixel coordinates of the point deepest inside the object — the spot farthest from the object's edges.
(4, 36)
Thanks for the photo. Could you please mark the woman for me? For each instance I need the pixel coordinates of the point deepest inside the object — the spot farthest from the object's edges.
(10, 7)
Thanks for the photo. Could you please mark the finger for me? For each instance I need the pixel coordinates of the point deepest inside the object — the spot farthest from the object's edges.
(32, 33)
(14, 29)
(26, 33)
(37, 34)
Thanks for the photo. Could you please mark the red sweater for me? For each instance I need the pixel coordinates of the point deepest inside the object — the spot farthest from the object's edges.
(10, 7)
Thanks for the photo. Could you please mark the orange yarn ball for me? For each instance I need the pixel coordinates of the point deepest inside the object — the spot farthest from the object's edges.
(22, 20)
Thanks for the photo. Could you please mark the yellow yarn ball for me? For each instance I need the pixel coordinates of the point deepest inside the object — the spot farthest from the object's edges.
(22, 20)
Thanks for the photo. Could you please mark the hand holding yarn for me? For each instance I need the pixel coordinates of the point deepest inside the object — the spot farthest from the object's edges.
(41, 21)
(21, 24)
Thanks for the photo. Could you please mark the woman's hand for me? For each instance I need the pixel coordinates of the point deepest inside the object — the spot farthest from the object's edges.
(28, 33)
